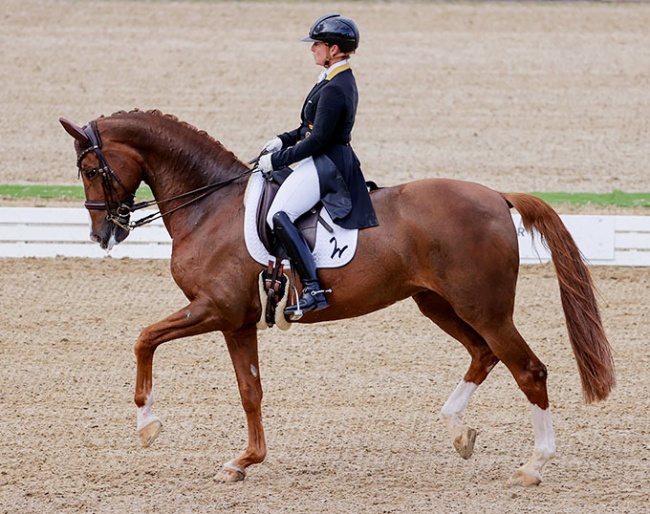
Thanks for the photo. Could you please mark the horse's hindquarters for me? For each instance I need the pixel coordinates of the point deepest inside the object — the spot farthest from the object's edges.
(454, 238)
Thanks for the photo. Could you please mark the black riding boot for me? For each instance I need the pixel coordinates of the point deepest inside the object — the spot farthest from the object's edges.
(313, 297)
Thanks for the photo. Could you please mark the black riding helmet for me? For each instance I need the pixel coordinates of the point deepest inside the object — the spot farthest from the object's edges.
(335, 30)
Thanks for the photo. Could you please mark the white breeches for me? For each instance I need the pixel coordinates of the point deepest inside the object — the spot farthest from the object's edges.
(299, 192)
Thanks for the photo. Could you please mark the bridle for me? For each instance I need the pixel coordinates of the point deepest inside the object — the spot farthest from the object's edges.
(119, 212)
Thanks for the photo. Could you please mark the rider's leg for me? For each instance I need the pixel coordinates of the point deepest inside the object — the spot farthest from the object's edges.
(312, 297)
(299, 193)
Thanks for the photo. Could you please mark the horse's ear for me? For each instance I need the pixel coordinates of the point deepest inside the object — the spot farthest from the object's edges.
(73, 130)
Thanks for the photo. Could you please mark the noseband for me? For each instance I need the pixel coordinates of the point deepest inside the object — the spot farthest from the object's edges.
(117, 212)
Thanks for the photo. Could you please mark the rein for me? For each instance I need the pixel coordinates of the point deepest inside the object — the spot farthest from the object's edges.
(122, 213)
(206, 190)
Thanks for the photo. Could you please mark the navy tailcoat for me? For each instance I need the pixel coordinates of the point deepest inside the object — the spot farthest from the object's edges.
(324, 134)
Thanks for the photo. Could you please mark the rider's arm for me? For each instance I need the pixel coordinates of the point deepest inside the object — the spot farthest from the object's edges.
(330, 110)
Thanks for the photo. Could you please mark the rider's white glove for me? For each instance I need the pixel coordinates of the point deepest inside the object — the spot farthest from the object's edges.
(273, 145)
(265, 165)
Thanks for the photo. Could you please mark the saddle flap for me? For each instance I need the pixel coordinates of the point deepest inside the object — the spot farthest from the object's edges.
(307, 223)
(334, 246)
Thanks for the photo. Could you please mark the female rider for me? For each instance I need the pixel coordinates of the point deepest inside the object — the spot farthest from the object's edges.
(326, 168)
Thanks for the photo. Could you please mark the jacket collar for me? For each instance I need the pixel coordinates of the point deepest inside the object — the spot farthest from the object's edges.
(338, 69)
(334, 70)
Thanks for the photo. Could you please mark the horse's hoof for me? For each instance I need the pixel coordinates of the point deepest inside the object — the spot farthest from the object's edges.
(525, 478)
(230, 474)
(464, 442)
(149, 433)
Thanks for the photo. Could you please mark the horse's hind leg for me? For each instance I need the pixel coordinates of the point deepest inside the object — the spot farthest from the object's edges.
(500, 341)
(530, 375)
(438, 310)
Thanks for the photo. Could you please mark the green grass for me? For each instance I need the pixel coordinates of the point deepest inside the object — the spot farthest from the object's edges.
(615, 198)
(67, 192)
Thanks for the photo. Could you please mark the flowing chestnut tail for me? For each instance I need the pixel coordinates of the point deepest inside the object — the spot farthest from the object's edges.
(591, 348)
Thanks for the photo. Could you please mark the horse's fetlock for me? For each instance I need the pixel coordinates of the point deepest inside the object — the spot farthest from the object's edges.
(258, 457)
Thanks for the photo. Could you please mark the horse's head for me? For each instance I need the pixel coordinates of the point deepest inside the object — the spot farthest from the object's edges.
(111, 172)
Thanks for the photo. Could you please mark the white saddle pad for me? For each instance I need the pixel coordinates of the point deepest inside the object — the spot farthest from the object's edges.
(331, 250)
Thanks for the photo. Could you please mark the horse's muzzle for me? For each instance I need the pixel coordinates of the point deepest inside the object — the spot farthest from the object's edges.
(109, 235)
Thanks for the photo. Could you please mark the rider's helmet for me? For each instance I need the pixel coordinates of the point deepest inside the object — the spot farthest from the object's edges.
(336, 30)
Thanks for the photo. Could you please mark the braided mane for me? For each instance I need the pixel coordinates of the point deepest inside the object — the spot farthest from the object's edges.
(212, 156)
(156, 112)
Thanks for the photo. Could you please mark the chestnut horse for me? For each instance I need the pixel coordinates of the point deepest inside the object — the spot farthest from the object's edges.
(450, 245)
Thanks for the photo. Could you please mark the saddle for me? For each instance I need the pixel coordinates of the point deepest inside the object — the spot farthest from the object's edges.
(334, 250)
(307, 223)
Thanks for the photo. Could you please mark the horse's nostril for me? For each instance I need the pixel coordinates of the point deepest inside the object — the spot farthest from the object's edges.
(97, 238)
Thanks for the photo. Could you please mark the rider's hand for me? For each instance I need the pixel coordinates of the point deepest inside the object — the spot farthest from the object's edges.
(265, 165)
(273, 145)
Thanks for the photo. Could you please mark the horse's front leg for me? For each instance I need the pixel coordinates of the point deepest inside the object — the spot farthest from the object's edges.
(192, 320)
(242, 346)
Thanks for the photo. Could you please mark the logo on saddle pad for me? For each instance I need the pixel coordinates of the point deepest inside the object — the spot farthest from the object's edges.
(332, 247)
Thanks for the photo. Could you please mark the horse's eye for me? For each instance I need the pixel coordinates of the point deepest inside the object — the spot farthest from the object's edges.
(91, 173)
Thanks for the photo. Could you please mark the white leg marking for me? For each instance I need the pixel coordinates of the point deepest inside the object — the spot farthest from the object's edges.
(530, 473)
(462, 436)
(149, 426)
(544, 436)
(144, 413)
(230, 473)
(454, 408)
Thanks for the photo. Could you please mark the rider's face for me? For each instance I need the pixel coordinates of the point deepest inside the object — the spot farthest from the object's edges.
(319, 51)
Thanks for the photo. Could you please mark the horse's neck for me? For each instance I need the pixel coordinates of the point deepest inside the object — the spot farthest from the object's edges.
(177, 165)
(169, 176)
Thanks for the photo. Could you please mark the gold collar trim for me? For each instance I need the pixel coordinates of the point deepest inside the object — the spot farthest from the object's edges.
(338, 70)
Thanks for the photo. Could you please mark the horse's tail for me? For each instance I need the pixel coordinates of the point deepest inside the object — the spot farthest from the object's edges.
(591, 348)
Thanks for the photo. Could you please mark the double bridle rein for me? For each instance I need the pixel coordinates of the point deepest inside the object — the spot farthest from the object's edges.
(119, 212)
